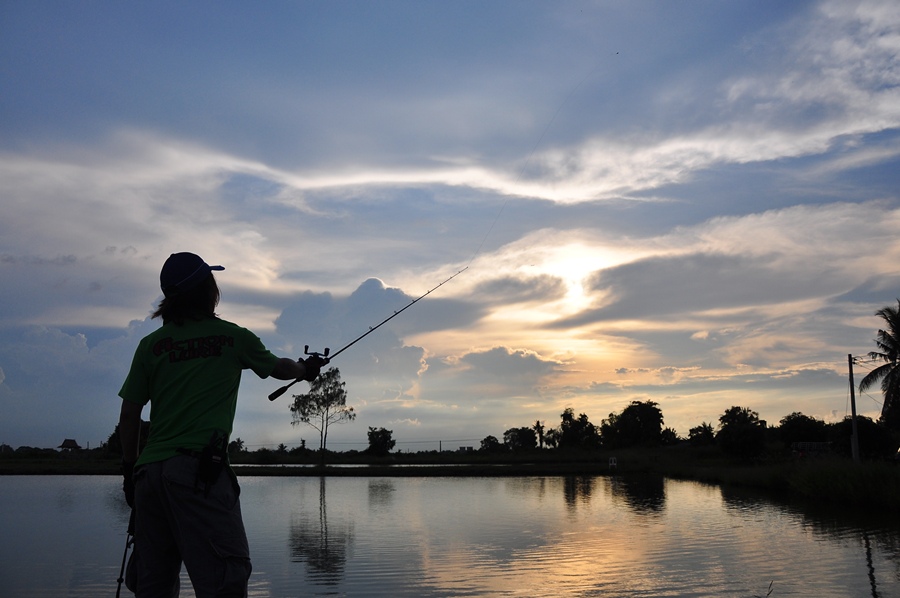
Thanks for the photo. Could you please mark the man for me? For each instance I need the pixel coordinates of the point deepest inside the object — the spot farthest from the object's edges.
(181, 487)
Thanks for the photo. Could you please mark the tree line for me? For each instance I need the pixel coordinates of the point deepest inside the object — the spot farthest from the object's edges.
(740, 433)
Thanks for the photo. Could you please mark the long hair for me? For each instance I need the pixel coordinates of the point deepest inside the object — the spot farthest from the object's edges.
(196, 304)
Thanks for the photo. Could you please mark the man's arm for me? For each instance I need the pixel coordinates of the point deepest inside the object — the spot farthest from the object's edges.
(288, 369)
(130, 430)
(305, 369)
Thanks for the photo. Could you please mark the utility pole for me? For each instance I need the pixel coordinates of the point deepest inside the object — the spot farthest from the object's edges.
(854, 438)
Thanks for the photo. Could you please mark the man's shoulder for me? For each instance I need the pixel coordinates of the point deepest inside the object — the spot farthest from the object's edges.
(219, 323)
(218, 326)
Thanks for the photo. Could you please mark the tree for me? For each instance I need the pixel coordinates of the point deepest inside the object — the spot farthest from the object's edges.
(875, 439)
(324, 405)
(888, 343)
(235, 446)
(381, 441)
(638, 424)
(490, 444)
(702, 435)
(520, 439)
(741, 433)
(577, 432)
(797, 427)
(669, 437)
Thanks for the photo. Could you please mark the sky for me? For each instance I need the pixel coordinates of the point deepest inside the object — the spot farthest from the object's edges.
(693, 203)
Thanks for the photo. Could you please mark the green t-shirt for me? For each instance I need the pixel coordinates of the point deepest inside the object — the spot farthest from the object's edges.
(190, 375)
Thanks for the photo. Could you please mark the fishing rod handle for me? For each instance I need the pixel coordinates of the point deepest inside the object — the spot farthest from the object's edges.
(282, 390)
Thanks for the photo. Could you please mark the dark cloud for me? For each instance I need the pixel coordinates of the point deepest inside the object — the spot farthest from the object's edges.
(661, 287)
(324, 317)
(35, 260)
(511, 364)
(520, 289)
(310, 315)
(883, 289)
(78, 399)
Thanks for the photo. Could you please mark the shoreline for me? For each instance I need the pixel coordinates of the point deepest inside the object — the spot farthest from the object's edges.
(873, 484)
(65, 467)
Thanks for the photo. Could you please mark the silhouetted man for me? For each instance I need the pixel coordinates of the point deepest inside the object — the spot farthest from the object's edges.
(181, 487)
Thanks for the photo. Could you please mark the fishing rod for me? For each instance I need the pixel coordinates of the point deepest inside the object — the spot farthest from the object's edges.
(129, 542)
(324, 354)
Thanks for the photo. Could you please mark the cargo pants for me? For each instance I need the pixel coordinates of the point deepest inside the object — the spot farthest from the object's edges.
(178, 521)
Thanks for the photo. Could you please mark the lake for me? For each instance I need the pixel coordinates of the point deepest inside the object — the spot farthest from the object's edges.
(470, 536)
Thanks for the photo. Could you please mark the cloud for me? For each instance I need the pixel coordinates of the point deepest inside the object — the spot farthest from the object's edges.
(324, 318)
(519, 289)
(833, 74)
(414, 423)
(55, 386)
(37, 261)
(503, 362)
(714, 270)
(665, 286)
(874, 290)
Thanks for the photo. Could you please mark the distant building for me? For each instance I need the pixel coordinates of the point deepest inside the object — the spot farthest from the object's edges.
(69, 444)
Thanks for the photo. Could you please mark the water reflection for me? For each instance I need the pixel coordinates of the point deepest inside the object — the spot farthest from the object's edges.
(321, 546)
(871, 567)
(643, 494)
(381, 493)
(577, 490)
(433, 537)
(829, 522)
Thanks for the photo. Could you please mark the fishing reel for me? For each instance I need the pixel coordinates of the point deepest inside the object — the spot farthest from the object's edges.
(323, 355)
(322, 358)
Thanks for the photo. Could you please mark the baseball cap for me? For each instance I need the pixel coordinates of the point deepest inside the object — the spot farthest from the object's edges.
(182, 272)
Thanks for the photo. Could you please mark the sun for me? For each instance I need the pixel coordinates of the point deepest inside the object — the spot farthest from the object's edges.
(573, 263)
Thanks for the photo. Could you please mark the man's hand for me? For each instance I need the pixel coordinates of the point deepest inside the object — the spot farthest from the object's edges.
(313, 364)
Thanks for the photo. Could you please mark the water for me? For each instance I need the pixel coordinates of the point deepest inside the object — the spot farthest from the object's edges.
(435, 537)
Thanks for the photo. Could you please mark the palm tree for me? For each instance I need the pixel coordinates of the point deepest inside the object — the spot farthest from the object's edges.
(888, 342)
